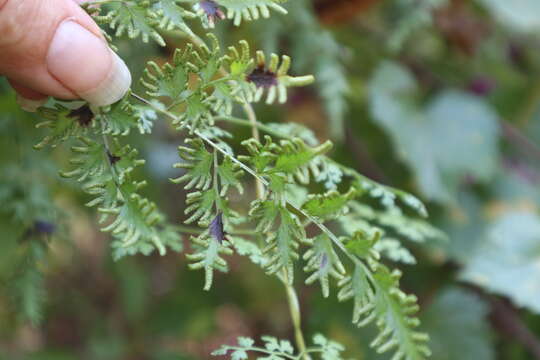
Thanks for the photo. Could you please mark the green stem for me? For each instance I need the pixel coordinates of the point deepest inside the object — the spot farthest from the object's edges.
(244, 122)
(262, 351)
(296, 316)
(292, 297)
(197, 231)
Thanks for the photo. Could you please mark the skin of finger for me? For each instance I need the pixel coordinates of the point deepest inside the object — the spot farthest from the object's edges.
(27, 28)
(25, 92)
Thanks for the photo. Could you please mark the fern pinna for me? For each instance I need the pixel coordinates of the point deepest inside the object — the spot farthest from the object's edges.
(197, 91)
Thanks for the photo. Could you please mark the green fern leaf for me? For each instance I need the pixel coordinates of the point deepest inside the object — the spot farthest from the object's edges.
(63, 123)
(135, 222)
(28, 287)
(89, 162)
(197, 164)
(229, 174)
(295, 157)
(272, 79)
(330, 350)
(248, 10)
(260, 155)
(329, 205)
(201, 205)
(283, 242)
(172, 16)
(291, 158)
(323, 261)
(208, 256)
(118, 119)
(135, 19)
(171, 80)
(377, 298)
(394, 310)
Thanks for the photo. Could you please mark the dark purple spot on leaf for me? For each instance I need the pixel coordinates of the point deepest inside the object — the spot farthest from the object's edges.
(43, 227)
(113, 159)
(40, 227)
(481, 86)
(82, 115)
(212, 10)
(216, 228)
(324, 261)
(262, 77)
(518, 56)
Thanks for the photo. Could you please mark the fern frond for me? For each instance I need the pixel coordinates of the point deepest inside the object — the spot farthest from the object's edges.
(378, 299)
(63, 123)
(171, 16)
(27, 283)
(329, 205)
(134, 220)
(417, 230)
(261, 155)
(236, 10)
(282, 242)
(385, 194)
(393, 250)
(290, 158)
(395, 310)
(229, 174)
(197, 164)
(118, 119)
(271, 78)
(276, 349)
(210, 246)
(200, 166)
(295, 157)
(170, 80)
(134, 19)
(88, 162)
(105, 173)
(323, 261)
(201, 206)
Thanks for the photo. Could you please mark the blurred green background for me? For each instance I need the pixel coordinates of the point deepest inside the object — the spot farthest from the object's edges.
(439, 98)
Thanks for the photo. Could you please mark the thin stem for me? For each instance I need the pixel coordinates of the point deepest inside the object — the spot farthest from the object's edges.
(244, 122)
(292, 297)
(198, 231)
(296, 316)
(255, 133)
(263, 351)
(216, 184)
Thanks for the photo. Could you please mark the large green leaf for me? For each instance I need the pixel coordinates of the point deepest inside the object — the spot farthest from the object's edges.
(454, 136)
(508, 262)
(457, 326)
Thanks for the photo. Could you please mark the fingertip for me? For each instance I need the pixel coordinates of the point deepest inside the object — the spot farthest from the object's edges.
(30, 105)
(86, 65)
(115, 85)
(28, 99)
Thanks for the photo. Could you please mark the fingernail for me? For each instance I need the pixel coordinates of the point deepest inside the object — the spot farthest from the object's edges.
(29, 104)
(84, 63)
(113, 87)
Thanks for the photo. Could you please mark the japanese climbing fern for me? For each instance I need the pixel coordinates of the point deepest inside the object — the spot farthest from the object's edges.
(359, 223)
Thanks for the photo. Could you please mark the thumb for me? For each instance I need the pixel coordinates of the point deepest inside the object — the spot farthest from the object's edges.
(53, 48)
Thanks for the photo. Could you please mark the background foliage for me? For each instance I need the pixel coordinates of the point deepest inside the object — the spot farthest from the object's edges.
(439, 98)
